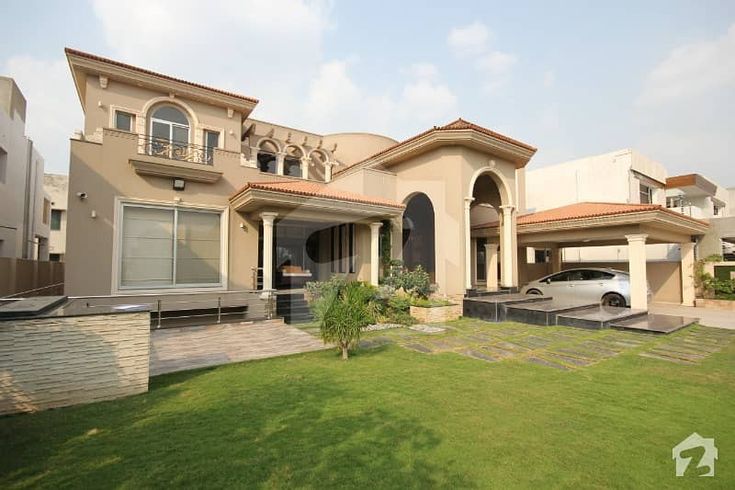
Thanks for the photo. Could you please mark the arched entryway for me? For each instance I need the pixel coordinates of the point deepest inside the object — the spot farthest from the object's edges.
(492, 260)
(418, 234)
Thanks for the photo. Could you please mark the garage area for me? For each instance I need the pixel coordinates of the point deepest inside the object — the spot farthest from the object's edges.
(603, 224)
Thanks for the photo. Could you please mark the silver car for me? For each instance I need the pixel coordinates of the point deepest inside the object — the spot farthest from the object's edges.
(608, 286)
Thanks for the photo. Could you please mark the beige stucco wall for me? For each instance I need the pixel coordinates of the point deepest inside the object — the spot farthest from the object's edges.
(664, 278)
(103, 357)
(355, 147)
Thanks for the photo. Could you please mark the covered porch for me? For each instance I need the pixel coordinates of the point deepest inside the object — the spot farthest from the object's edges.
(596, 225)
(309, 232)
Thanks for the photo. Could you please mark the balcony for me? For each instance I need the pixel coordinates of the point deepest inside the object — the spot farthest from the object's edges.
(165, 158)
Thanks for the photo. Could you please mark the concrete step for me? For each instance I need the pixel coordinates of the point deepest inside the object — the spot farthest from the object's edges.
(598, 317)
(474, 293)
(655, 323)
(298, 318)
(543, 312)
(493, 308)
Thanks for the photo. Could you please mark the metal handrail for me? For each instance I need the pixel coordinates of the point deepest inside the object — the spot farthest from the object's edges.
(31, 291)
(175, 150)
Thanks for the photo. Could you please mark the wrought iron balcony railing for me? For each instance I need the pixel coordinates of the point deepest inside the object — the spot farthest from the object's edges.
(175, 150)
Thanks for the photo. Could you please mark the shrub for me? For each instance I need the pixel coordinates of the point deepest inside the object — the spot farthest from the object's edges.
(343, 311)
(415, 282)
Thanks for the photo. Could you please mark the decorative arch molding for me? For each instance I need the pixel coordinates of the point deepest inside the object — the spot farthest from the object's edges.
(506, 195)
(297, 146)
(325, 153)
(142, 125)
(268, 139)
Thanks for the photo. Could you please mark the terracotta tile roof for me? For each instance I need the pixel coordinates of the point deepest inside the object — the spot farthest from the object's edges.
(586, 210)
(457, 125)
(316, 189)
(94, 57)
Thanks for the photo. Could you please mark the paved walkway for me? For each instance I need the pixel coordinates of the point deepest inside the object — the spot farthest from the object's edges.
(563, 348)
(180, 349)
(709, 317)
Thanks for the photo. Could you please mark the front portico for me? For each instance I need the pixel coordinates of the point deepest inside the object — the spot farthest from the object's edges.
(308, 232)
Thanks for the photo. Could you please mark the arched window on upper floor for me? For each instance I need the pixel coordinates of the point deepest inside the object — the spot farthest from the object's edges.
(169, 132)
(292, 161)
(267, 157)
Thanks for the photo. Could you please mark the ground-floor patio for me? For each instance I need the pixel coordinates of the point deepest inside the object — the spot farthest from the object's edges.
(183, 348)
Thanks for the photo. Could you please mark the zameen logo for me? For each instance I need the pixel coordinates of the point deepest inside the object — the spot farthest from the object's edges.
(695, 441)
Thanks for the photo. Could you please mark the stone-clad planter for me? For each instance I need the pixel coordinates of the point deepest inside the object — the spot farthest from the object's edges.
(720, 304)
(436, 314)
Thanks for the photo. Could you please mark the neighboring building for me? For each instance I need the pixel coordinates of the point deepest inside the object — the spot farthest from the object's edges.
(697, 196)
(24, 208)
(624, 176)
(57, 188)
(174, 187)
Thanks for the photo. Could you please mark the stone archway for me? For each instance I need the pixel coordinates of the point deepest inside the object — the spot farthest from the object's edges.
(490, 199)
(419, 247)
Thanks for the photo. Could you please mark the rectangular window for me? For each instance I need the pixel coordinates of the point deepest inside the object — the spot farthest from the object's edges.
(54, 257)
(267, 162)
(211, 141)
(646, 194)
(166, 247)
(124, 121)
(56, 219)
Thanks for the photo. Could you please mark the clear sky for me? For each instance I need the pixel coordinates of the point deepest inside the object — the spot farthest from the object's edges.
(571, 78)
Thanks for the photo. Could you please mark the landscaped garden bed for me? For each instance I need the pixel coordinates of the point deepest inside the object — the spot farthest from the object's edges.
(435, 311)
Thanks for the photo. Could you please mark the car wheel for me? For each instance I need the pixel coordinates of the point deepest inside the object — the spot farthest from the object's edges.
(613, 299)
(535, 292)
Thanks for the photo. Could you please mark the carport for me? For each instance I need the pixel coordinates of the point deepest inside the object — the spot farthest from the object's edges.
(600, 224)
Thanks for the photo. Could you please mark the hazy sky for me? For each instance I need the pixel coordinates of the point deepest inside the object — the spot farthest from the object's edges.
(571, 78)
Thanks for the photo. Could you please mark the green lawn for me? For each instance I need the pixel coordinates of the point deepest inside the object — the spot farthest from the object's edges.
(389, 417)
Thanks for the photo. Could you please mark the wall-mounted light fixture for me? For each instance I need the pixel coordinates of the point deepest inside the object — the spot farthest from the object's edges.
(82, 195)
(179, 184)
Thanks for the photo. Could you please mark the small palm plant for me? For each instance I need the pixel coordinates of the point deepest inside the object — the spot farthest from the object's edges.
(344, 311)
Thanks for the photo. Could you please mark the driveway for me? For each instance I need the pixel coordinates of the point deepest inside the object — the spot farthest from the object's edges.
(709, 317)
(183, 348)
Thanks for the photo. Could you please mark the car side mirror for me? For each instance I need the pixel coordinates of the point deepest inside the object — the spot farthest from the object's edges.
(547, 281)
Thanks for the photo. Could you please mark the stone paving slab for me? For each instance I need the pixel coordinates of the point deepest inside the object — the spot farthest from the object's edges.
(183, 348)
(543, 362)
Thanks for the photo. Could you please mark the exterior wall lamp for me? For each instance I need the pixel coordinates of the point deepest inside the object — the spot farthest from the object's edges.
(179, 184)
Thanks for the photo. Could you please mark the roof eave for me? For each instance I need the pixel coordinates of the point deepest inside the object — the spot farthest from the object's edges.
(519, 155)
(81, 65)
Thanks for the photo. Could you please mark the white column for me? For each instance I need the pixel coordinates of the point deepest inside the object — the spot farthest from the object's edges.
(467, 244)
(328, 172)
(637, 270)
(280, 156)
(304, 168)
(506, 274)
(491, 264)
(687, 273)
(268, 220)
(374, 255)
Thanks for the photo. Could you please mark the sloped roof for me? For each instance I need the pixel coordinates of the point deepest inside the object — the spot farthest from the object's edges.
(456, 125)
(583, 210)
(94, 57)
(316, 189)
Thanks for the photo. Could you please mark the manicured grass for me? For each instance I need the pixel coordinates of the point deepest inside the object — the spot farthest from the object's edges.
(389, 417)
